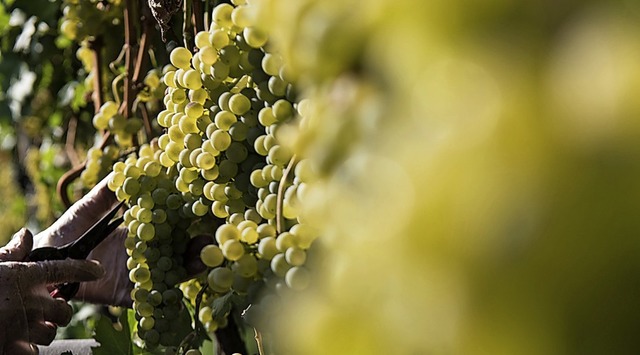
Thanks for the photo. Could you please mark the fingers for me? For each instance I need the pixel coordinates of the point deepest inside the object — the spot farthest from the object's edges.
(19, 246)
(79, 217)
(61, 271)
(21, 348)
(57, 311)
(42, 333)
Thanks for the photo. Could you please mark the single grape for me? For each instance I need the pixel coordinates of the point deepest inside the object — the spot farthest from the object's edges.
(298, 278)
(211, 255)
(180, 57)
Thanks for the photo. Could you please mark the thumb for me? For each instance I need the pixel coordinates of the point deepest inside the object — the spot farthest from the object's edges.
(19, 246)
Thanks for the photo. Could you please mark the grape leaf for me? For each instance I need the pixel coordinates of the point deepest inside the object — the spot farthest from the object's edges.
(222, 305)
(111, 340)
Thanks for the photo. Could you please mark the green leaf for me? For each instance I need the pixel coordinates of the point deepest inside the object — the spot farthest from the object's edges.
(222, 305)
(113, 341)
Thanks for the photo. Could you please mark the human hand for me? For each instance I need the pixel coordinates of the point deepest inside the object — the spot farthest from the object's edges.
(115, 287)
(28, 314)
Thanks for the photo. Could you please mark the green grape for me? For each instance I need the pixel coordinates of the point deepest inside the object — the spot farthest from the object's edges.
(232, 249)
(211, 255)
(252, 215)
(205, 161)
(259, 146)
(194, 110)
(144, 214)
(282, 110)
(223, 101)
(180, 57)
(267, 247)
(271, 64)
(199, 209)
(152, 169)
(218, 192)
(285, 241)
(225, 119)
(210, 174)
(192, 80)
(238, 131)
(237, 152)
(218, 209)
(222, 15)
(220, 70)
(249, 236)
(241, 16)
(255, 37)
(295, 256)
(227, 169)
(219, 38)
(151, 337)
(279, 155)
(221, 140)
(147, 323)
(236, 219)
(220, 279)
(139, 274)
(227, 232)
(245, 266)
(206, 314)
(101, 121)
(230, 55)
(139, 295)
(188, 125)
(131, 186)
(246, 224)
(239, 104)
(146, 231)
(279, 265)
(266, 117)
(208, 55)
(277, 86)
(298, 278)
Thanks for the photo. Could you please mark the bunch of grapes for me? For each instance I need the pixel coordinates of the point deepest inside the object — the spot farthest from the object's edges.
(222, 168)
(88, 18)
(100, 161)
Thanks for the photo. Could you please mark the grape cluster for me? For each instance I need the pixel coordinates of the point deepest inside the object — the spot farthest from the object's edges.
(222, 167)
(86, 18)
(100, 162)
(154, 88)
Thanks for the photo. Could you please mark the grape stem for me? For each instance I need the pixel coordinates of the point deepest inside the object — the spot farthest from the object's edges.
(186, 36)
(186, 343)
(114, 89)
(68, 177)
(280, 196)
(197, 17)
(71, 140)
(258, 337)
(128, 56)
(96, 46)
(144, 113)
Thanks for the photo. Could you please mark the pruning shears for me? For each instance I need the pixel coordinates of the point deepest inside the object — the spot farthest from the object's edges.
(77, 249)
